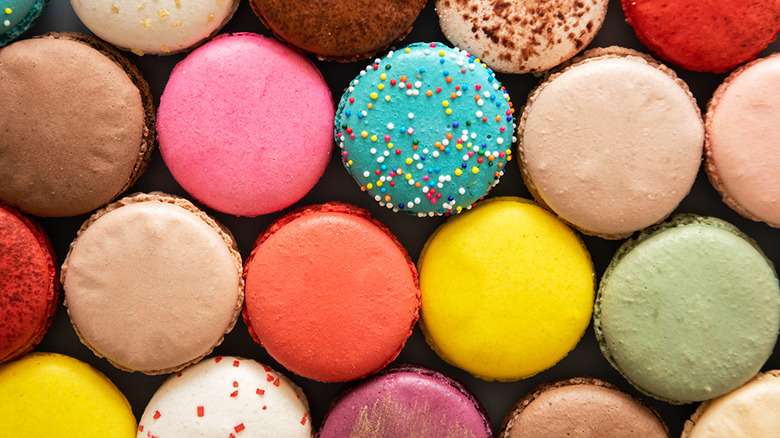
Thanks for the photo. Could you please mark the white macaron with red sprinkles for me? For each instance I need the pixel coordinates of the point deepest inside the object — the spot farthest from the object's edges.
(228, 397)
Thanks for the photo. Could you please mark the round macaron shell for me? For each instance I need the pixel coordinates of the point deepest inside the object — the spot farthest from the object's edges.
(52, 165)
(749, 411)
(141, 297)
(245, 125)
(330, 293)
(688, 311)
(743, 146)
(584, 408)
(157, 27)
(227, 396)
(704, 35)
(16, 16)
(507, 290)
(52, 395)
(611, 144)
(29, 285)
(521, 36)
(407, 401)
(340, 30)
(426, 130)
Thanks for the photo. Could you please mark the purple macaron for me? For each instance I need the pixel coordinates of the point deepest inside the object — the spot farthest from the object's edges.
(406, 401)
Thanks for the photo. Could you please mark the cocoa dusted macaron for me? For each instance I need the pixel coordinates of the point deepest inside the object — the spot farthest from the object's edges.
(583, 407)
(339, 30)
(152, 283)
(77, 127)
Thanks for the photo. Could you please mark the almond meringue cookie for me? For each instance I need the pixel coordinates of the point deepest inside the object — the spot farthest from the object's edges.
(612, 143)
(521, 36)
(227, 396)
(158, 27)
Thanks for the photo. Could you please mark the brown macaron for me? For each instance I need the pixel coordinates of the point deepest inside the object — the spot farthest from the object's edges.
(584, 407)
(339, 30)
(78, 124)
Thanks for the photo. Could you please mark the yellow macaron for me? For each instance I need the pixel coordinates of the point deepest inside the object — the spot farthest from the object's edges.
(507, 289)
(52, 395)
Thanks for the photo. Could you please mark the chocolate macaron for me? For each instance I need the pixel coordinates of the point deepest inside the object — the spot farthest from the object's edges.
(29, 284)
(583, 407)
(152, 283)
(339, 30)
(77, 126)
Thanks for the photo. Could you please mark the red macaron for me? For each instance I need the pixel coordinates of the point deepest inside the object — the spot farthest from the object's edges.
(704, 35)
(29, 285)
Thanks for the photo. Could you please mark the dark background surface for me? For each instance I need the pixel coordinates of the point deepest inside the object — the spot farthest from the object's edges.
(337, 185)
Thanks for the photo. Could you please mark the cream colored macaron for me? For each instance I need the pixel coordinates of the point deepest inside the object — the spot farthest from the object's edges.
(158, 27)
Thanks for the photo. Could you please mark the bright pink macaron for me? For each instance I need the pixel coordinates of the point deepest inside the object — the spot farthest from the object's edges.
(245, 124)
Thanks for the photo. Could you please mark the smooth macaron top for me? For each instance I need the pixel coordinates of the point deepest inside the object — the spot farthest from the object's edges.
(689, 310)
(152, 283)
(339, 30)
(742, 144)
(245, 124)
(704, 35)
(29, 287)
(521, 36)
(507, 290)
(330, 293)
(749, 411)
(612, 143)
(406, 402)
(52, 395)
(427, 129)
(581, 407)
(224, 396)
(16, 16)
(82, 137)
(156, 27)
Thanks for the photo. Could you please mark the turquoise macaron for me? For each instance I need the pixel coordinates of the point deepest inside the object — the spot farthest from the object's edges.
(426, 130)
(16, 16)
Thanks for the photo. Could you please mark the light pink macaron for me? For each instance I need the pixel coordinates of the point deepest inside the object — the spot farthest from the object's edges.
(245, 124)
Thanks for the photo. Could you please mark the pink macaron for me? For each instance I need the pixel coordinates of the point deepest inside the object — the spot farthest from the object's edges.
(245, 124)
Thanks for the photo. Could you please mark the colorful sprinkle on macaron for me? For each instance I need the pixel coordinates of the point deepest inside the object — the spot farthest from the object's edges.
(427, 129)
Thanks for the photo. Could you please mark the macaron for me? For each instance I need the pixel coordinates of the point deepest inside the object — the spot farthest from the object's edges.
(29, 283)
(406, 401)
(86, 133)
(427, 129)
(749, 411)
(507, 290)
(245, 125)
(689, 310)
(521, 36)
(49, 394)
(742, 146)
(583, 407)
(611, 143)
(704, 35)
(330, 293)
(158, 27)
(16, 16)
(227, 396)
(339, 30)
(152, 283)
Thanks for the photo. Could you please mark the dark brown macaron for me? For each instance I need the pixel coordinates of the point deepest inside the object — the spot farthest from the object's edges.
(339, 30)
(77, 127)
(584, 407)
